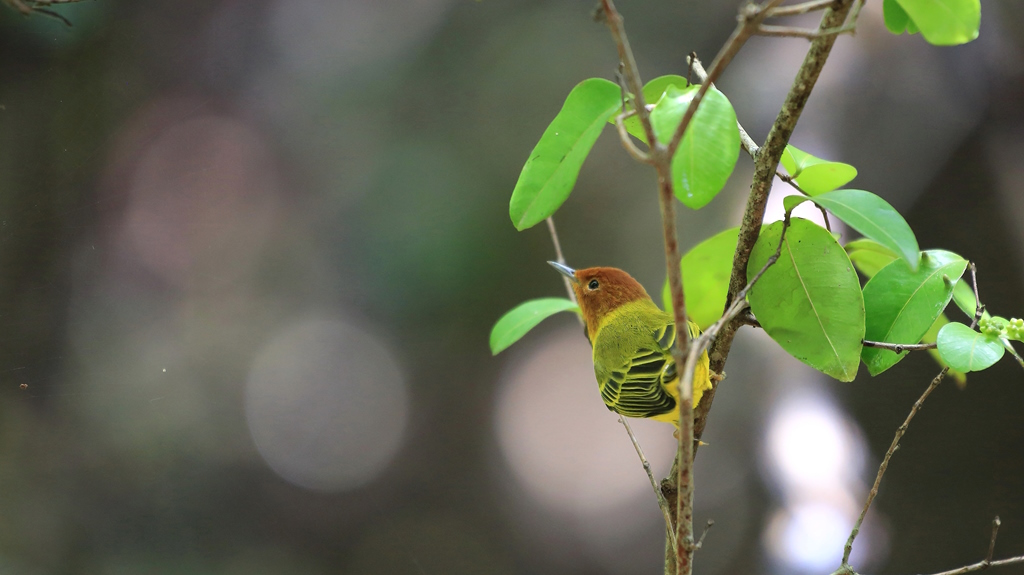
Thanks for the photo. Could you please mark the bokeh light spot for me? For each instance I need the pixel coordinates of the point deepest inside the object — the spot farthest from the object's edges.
(326, 404)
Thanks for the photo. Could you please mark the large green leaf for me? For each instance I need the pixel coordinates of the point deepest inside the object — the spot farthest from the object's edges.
(871, 216)
(944, 22)
(706, 269)
(869, 256)
(653, 91)
(550, 174)
(902, 304)
(524, 317)
(809, 301)
(815, 175)
(967, 350)
(708, 152)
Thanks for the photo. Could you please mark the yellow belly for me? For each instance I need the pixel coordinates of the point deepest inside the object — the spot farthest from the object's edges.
(701, 383)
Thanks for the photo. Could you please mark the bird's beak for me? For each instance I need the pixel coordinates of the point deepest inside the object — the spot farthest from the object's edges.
(566, 271)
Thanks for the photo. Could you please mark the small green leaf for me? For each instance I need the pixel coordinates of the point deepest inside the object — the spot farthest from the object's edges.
(550, 174)
(944, 22)
(709, 149)
(653, 91)
(875, 218)
(706, 270)
(901, 304)
(790, 202)
(809, 301)
(930, 337)
(869, 256)
(815, 175)
(967, 350)
(524, 317)
(896, 19)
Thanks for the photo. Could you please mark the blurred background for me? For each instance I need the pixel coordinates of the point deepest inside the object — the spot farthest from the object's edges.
(251, 252)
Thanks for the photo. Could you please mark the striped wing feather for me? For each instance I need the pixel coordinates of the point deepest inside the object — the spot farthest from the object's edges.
(638, 388)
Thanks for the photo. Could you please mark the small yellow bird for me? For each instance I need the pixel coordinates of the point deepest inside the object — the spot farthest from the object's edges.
(632, 340)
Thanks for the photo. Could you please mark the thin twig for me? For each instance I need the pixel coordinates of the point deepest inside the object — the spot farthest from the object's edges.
(707, 527)
(793, 32)
(987, 561)
(654, 484)
(981, 565)
(885, 463)
(627, 142)
(899, 347)
(903, 429)
(749, 146)
(629, 67)
(561, 259)
(824, 216)
(750, 18)
(979, 309)
(797, 9)
(992, 542)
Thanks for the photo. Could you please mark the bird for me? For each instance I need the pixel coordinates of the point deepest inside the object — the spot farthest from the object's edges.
(632, 339)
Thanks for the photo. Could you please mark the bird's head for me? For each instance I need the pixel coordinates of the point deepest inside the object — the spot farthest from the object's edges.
(601, 290)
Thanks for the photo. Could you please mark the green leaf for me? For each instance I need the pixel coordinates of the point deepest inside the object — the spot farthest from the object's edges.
(550, 174)
(524, 317)
(944, 22)
(815, 175)
(869, 256)
(706, 270)
(896, 19)
(653, 91)
(967, 350)
(902, 304)
(809, 301)
(875, 218)
(709, 149)
(792, 201)
(930, 337)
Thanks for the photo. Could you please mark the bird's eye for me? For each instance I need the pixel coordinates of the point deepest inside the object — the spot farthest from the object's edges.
(593, 284)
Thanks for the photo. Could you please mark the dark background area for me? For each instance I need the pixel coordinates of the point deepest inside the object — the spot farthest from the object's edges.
(251, 253)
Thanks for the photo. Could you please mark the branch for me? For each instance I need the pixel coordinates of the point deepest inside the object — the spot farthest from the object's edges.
(987, 561)
(979, 309)
(899, 347)
(631, 73)
(750, 19)
(981, 565)
(654, 484)
(764, 171)
(745, 140)
(670, 488)
(885, 463)
(792, 32)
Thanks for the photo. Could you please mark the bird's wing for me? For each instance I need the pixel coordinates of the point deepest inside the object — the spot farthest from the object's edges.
(635, 387)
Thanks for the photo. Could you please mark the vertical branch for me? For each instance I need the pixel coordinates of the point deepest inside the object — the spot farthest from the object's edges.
(764, 171)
